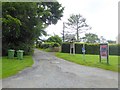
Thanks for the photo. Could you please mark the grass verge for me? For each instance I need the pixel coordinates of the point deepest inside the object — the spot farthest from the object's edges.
(91, 60)
(13, 66)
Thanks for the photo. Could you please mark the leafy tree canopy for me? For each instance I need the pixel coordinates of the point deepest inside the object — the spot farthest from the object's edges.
(78, 24)
(55, 38)
(91, 38)
(24, 22)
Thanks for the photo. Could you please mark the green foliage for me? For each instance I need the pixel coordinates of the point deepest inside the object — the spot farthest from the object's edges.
(78, 23)
(78, 48)
(91, 38)
(111, 41)
(55, 38)
(90, 48)
(49, 45)
(46, 45)
(24, 22)
(56, 45)
(114, 49)
(65, 48)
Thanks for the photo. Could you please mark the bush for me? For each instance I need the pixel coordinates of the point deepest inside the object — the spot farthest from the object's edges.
(49, 45)
(55, 49)
(65, 48)
(27, 48)
(90, 48)
(46, 45)
(114, 49)
(55, 39)
(56, 45)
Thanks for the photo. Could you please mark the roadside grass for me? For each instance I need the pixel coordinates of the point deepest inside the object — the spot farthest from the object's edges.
(91, 60)
(13, 66)
(0, 67)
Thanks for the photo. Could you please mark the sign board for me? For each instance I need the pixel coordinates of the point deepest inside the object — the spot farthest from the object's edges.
(83, 49)
(104, 52)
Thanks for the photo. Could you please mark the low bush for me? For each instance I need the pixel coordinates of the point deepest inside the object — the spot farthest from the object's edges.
(49, 45)
(46, 45)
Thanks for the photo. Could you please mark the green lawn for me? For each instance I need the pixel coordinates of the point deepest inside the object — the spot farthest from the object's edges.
(91, 60)
(13, 66)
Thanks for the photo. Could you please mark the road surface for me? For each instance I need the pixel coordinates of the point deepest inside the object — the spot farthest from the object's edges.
(49, 71)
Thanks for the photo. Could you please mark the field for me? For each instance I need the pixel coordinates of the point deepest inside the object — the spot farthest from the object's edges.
(91, 60)
(13, 66)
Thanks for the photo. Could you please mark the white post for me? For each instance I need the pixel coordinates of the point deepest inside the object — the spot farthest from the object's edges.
(73, 48)
(70, 48)
(83, 51)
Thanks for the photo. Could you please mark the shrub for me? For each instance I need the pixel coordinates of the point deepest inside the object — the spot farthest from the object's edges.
(45, 45)
(56, 45)
(65, 48)
(27, 48)
(49, 45)
(78, 48)
(92, 48)
(114, 49)
(55, 39)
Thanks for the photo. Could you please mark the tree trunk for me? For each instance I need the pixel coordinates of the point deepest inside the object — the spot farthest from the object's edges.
(63, 32)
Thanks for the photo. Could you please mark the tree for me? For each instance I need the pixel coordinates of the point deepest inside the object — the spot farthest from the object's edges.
(24, 22)
(55, 38)
(91, 38)
(111, 41)
(69, 37)
(103, 40)
(78, 24)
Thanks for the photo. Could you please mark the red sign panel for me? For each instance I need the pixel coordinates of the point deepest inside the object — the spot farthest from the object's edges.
(104, 51)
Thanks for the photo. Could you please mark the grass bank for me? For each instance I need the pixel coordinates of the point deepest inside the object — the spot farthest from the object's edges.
(91, 60)
(13, 66)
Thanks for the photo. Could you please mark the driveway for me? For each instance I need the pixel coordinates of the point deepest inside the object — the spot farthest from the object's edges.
(49, 71)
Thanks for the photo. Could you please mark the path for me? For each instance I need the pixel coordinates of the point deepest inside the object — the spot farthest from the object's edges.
(49, 71)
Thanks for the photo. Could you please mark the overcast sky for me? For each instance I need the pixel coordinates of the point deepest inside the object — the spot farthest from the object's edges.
(101, 15)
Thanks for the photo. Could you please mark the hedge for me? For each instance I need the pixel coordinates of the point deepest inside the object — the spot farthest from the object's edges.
(48, 45)
(90, 48)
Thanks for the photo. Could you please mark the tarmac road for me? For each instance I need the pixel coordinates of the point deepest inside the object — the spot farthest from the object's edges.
(49, 71)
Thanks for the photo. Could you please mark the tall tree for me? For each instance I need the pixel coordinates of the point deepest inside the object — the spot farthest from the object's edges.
(91, 38)
(103, 40)
(69, 37)
(111, 41)
(78, 24)
(24, 22)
